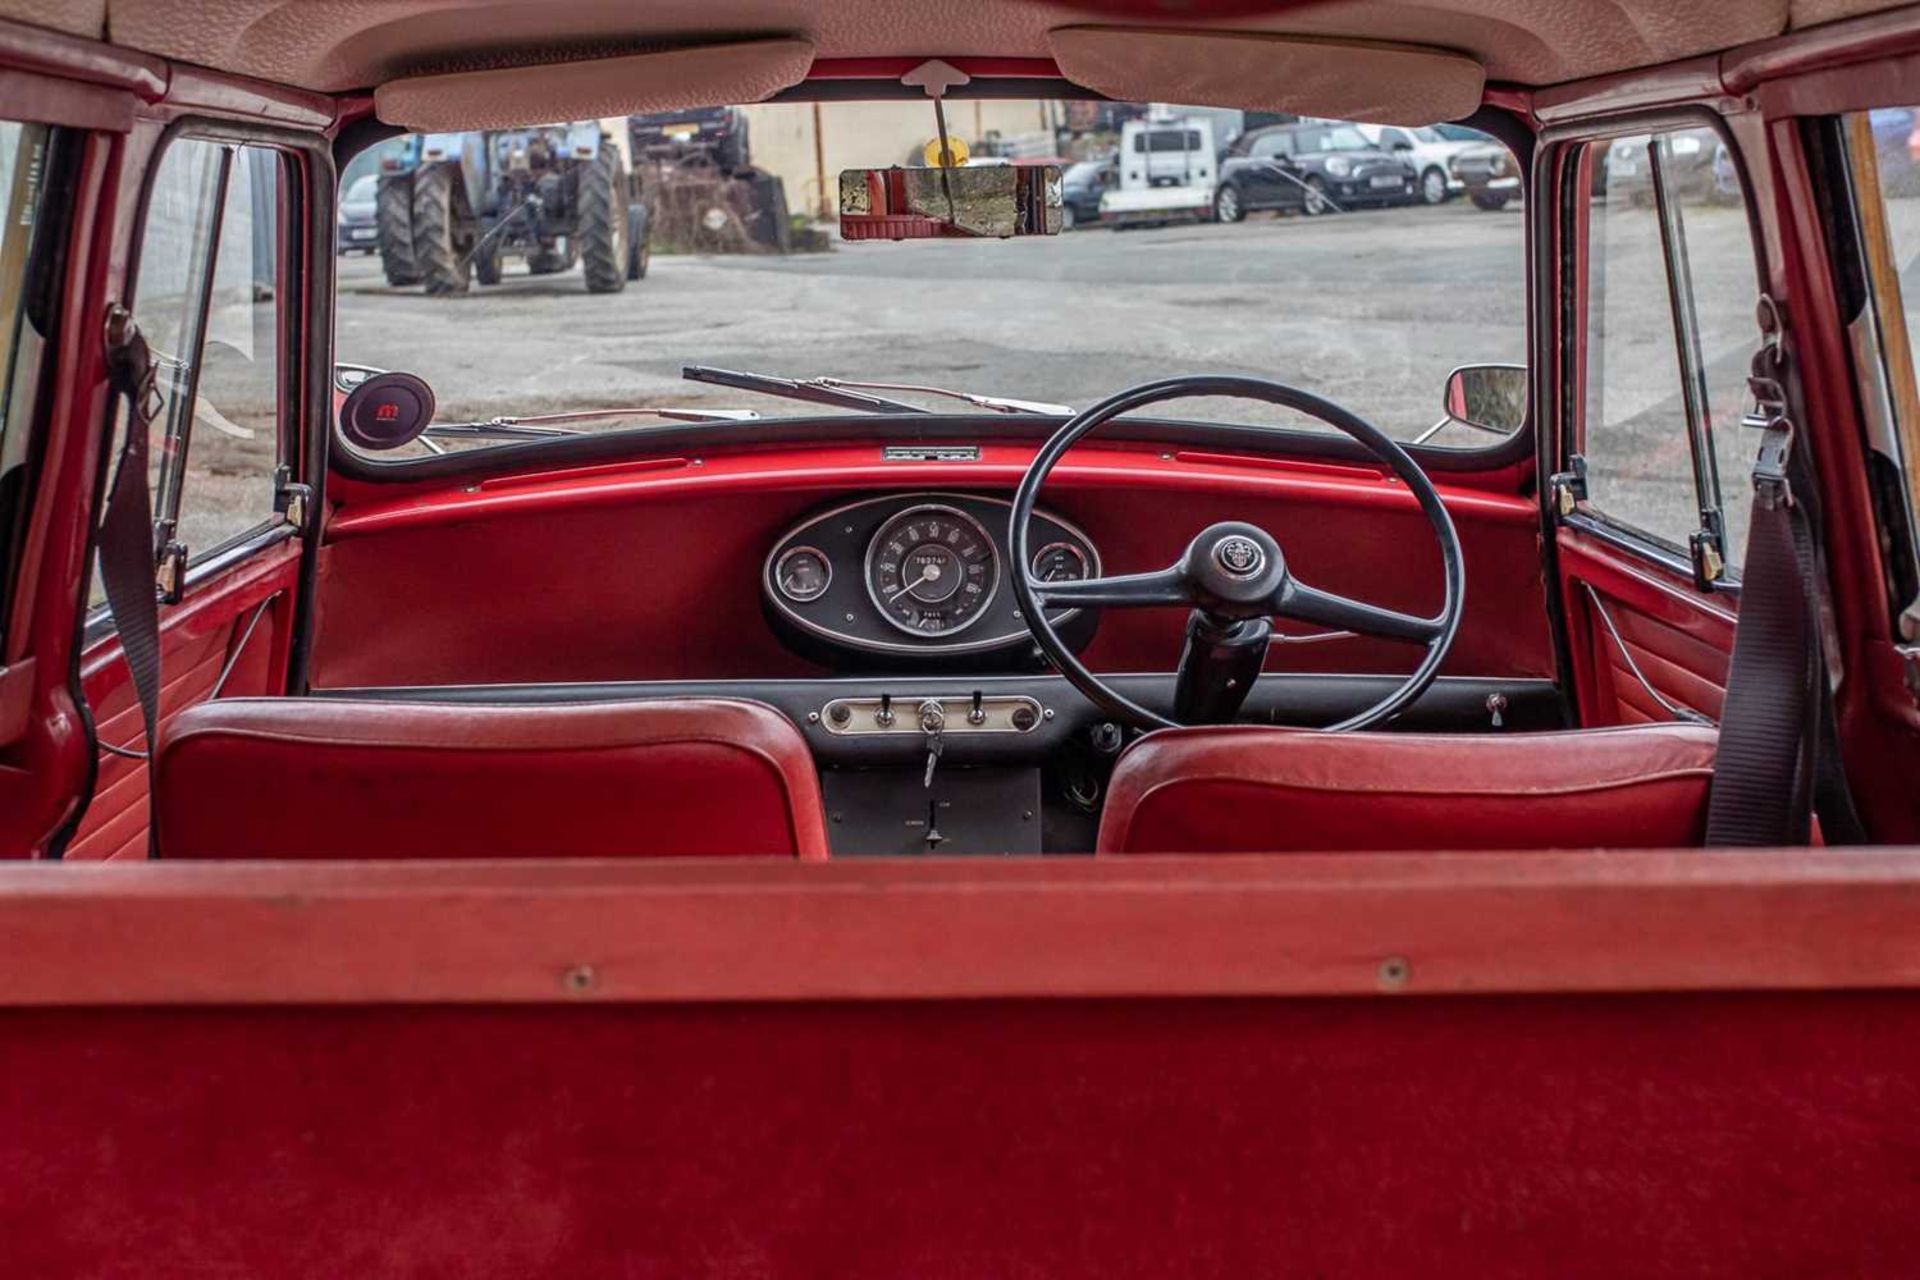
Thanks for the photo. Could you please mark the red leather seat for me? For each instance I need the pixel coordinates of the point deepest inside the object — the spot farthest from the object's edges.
(329, 778)
(1244, 789)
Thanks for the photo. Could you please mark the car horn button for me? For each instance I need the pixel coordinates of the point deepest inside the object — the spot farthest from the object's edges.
(1239, 556)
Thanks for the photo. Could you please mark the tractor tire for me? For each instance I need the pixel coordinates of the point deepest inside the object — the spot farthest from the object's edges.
(487, 262)
(640, 251)
(600, 221)
(393, 215)
(439, 200)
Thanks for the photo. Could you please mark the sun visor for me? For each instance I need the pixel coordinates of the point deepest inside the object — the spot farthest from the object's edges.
(1343, 79)
(669, 80)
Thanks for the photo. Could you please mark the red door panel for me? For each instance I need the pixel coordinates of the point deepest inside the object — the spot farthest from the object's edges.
(1679, 640)
(198, 638)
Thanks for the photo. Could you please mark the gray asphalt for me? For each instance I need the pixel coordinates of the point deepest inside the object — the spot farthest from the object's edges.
(1370, 308)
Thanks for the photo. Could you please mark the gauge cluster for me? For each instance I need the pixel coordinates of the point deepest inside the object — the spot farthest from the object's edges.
(917, 576)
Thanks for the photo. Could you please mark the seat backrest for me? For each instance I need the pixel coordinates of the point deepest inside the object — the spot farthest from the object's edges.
(1252, 789)
(335, 778)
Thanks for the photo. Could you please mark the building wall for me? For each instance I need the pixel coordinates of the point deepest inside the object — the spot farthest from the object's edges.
(874, 135)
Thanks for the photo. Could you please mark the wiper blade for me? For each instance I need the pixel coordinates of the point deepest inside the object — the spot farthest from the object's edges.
(812, 390)
(999, 404)
(540, 426)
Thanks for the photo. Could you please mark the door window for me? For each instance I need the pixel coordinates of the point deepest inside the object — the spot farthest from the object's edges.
(1883, 154)
(207, 298)
(1670, 333)
(24, 158)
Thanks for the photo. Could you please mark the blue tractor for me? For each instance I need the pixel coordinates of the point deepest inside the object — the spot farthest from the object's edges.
(454, 207)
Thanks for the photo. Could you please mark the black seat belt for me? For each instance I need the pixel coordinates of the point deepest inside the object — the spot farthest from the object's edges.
(128, 561)
(1779, 760)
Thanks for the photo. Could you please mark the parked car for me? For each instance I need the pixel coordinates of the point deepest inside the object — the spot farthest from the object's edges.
(1696, 163)
(359, 229)
(1315, 168)
(1081, 186)
(1429, 151)
(1489, 174)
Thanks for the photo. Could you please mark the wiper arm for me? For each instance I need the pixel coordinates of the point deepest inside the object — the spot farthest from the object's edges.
(540, 426)
(999, 404)
(812, 390)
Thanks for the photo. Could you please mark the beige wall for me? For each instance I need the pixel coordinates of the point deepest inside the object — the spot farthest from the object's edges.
(870, 135)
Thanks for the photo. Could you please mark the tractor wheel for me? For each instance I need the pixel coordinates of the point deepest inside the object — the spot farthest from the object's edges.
(394, 218)
(600, 205)
(439, 245)
(487, 262)
(640, 254)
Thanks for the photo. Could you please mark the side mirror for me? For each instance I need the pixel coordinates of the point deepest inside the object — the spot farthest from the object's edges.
(1403, 146)
(997, 200)
(1488, 397)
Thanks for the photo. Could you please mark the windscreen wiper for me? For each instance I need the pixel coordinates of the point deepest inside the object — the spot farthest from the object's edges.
(846, 393)
(812, 390)
(999, 404)
(541, 426)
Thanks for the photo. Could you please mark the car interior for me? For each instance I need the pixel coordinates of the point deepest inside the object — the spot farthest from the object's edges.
(915, 791)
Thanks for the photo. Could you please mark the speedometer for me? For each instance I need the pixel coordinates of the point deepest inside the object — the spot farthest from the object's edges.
(932, 571)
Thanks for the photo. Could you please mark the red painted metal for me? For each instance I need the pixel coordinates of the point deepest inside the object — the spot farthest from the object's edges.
(726, 929)
(624, 593)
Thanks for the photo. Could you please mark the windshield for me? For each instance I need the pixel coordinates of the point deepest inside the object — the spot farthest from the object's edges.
(514, 297)
(1338, 138)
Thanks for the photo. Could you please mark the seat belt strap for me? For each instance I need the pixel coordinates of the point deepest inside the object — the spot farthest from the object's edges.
(128, 561)
(1779, 753)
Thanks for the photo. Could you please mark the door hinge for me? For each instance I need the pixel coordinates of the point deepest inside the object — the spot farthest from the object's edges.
(1568, 489)
(290, 499)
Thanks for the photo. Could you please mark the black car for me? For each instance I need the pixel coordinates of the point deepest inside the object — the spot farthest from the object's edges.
(359, 216)
(1314, 168)
(1080, 189)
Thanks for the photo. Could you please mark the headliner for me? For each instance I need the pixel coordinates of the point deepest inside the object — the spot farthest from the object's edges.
(341, 45)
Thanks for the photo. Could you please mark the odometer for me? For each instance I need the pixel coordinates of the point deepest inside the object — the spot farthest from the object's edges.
(932, 570)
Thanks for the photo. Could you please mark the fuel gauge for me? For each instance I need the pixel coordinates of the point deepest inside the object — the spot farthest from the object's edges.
(803, 575)
(1059, 562)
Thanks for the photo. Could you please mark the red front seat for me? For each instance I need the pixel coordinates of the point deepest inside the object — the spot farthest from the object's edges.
(1246, 789)
(331, 778)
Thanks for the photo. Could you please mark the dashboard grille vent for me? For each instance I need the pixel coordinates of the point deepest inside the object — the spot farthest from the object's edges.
(930, 453)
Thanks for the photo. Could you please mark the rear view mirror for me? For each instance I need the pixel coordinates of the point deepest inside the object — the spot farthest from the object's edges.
(996, 200)
(1490, 397)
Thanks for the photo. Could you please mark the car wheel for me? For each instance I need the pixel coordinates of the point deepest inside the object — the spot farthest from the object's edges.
(1316, 201)
(1227, 206)
(1433, 186)
(1491, 203)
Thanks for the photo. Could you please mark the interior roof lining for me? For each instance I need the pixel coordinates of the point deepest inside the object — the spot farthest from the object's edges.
(343, 45)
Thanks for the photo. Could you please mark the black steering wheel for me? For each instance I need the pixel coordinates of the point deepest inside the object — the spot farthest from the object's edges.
(1233, 576)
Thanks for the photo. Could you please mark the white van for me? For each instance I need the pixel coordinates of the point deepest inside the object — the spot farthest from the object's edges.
(1167, 170)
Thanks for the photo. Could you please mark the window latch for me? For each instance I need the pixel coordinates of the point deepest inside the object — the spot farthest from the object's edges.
(290, 499)
(1568, 489)
(170, 572)
(1707, 549)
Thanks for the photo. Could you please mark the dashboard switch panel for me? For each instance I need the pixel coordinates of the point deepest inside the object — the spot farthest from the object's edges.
(961, 717)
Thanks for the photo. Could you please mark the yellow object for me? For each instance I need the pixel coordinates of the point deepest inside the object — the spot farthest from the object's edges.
(955, 145)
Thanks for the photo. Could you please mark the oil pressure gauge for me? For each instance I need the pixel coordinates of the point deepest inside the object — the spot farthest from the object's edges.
(803, 575)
